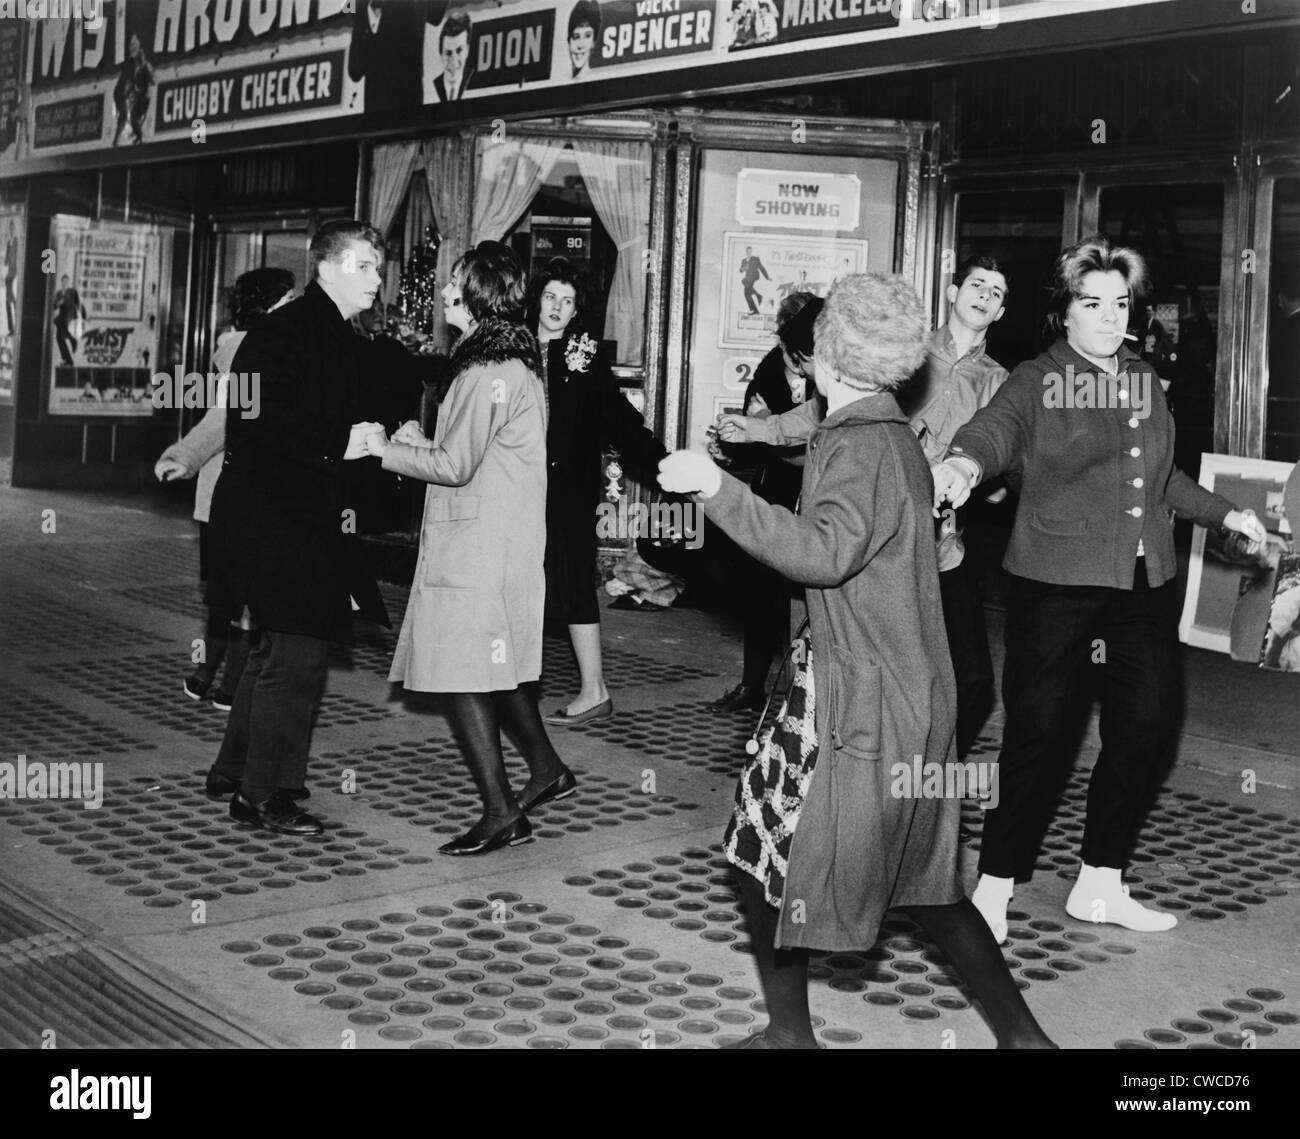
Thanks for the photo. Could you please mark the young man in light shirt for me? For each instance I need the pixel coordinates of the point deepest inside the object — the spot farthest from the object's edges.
(959, 377)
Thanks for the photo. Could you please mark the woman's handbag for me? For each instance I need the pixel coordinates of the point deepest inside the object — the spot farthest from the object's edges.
(774, 782)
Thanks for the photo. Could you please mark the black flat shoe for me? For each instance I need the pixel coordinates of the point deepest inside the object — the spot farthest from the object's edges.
(512, 834)
(560, 788)
(279, 814)
(743, 696)
(218, 786)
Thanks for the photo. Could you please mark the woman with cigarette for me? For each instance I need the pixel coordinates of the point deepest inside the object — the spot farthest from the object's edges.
(1093, 591)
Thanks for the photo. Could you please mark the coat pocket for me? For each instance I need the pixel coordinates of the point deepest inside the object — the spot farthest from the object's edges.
(451, 542)
(856, 706)
(1060, 527)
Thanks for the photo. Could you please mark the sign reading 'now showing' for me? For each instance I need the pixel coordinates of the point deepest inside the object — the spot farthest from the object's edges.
(790, 199)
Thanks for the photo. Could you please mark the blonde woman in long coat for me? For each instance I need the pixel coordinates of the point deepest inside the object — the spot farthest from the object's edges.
(852, 845)
(473, 627)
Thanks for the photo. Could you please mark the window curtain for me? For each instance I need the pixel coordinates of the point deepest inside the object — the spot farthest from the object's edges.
(391, 167)
(617, 175)
(440, 158)
(510, 173)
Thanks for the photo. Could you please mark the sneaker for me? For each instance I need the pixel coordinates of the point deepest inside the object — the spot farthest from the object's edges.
(196, 686)
(222, 699)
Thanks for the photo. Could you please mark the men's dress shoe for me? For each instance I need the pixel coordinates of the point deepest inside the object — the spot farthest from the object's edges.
(561, 718)
(218, 786)
(512, 834)
(743, 696)
(279, 813)
(628, 605)
(297, 793)
(222, 699)
(196, 687)
(560, 788)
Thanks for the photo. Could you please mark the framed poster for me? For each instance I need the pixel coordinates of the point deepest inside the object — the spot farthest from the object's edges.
(1281, 649)
(1222, 583)
(12, 232)
(105, 315)
(759, 270)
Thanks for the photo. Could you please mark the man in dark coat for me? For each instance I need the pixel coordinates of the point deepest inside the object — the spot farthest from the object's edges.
(387, 50)
(281, 520)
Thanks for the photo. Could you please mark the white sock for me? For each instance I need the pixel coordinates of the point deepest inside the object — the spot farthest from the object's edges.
(1100, 896)
(992, 896)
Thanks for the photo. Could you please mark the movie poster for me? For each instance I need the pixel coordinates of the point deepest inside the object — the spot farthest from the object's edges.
(105, 314)
(760, 270)
(12, 231)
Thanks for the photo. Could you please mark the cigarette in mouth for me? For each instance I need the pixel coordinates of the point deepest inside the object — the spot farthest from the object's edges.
(1129, 336)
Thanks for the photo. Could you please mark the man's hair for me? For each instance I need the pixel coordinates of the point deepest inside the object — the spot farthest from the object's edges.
(795, 331)
(457, 21)
(1286, 279)
(585, 12)
(1092, 254)
(872, 331)
(254, 292)
(564, 271)
(979, 261)
(491, 282)
(331, 241)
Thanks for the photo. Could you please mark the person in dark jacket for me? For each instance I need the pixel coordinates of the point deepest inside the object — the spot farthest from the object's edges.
(587, 413)
(840, 841)
(387, 50)
(1093, 582)
(782, 381)
(279, 523)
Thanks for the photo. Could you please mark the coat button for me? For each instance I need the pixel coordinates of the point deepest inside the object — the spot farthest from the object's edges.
(1137, 483)
(1135, 452)
(1136, 512)
(1133, 421)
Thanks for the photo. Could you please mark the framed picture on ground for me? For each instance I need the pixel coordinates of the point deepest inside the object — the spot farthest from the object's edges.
(1228, 593)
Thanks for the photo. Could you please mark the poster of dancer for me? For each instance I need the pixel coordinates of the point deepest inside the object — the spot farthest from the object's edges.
(759, 270)
(104, 315)
(1226, 586)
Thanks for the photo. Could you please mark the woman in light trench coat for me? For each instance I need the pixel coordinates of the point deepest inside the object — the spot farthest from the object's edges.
(863, 544)
(473, 626)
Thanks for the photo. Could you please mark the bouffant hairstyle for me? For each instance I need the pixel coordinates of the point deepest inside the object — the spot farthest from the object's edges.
(796, 331)
(563, 271)
(1092, 254)
(253, 293)
(331, 241)
(586, 13)
(872, 331)
(491, 282)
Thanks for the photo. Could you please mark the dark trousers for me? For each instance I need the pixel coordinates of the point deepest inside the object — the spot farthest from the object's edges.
(67, 343)
(1063, 642)
(269, 730)
(968, 644)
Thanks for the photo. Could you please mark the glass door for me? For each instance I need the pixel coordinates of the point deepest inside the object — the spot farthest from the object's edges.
(1273, 355)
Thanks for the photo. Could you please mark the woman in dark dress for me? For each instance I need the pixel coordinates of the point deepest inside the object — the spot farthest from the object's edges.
(587, 413)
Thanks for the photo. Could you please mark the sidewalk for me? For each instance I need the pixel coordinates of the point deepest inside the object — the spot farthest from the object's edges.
(153, 921)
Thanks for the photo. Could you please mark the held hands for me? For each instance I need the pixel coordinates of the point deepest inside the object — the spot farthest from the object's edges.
(410, 434)
(165, 470)
(359, 440)
(689, 472)
(733, 428)
(952, 483)
(1245, 523)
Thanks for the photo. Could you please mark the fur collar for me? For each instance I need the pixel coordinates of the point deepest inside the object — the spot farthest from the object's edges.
(494, 341)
